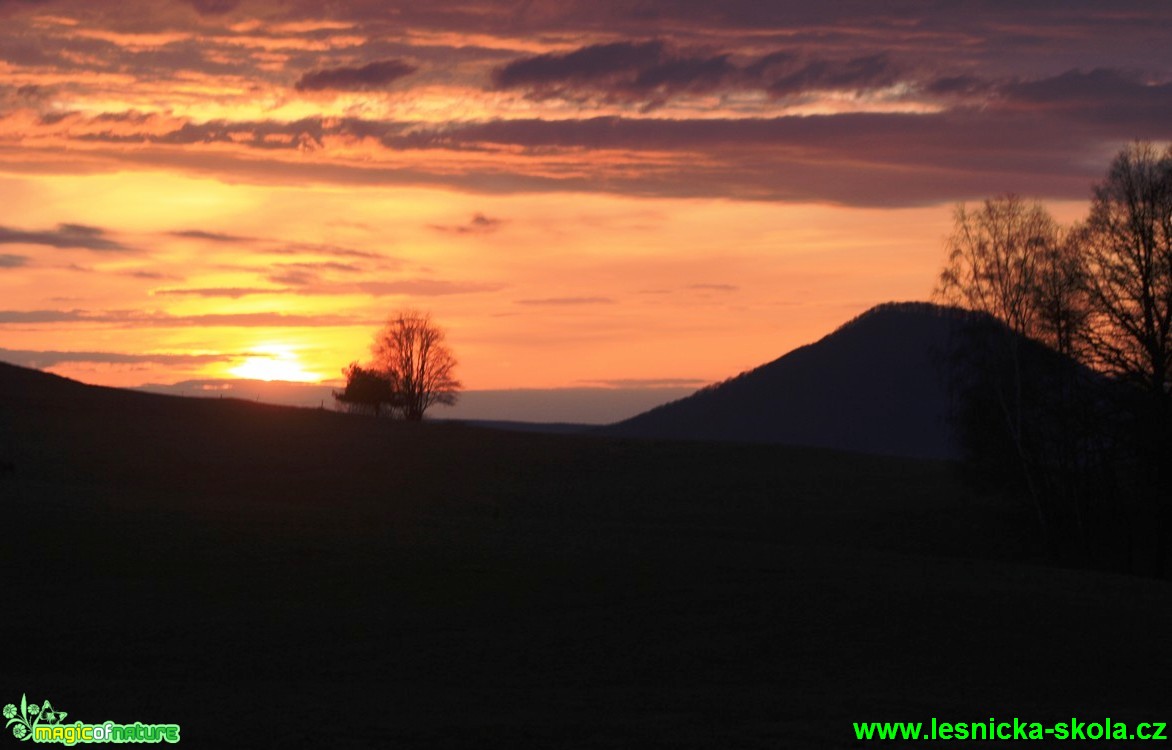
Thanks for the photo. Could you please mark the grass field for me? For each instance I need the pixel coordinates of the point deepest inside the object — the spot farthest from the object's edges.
(268, 576)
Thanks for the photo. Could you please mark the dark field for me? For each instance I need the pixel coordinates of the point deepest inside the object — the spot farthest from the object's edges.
(278, 577)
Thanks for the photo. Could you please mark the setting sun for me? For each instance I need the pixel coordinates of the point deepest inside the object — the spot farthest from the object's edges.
(274, 363)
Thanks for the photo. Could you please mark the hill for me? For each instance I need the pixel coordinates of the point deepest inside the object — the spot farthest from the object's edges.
(872, 386)
(279, 577)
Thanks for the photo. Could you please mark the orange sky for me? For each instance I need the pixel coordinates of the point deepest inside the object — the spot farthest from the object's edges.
(220, 189)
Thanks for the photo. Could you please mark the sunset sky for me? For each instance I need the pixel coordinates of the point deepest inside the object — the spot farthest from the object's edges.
(583, 192)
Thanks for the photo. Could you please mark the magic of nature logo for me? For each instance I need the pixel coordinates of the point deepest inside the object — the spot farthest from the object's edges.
(45, 724)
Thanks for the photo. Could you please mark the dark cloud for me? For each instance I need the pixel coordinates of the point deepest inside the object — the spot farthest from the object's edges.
(1101, 95)
(333, 251)
(653, 71)
(8, 260)
(325, 266)
(650, 70)
(960, 86)
(369, 77)
(865, 159)
(869, 72)
(592, 63)
(144, 319)
(8, 317)
(42, 359)
(557, 301)
(478, 224)
(150, 275)
(199, 234)
(65, 236)
(212, 292)
(213, 7)
(681, 74)
(294, 278)
(714, 287)
(33, 93)
(308, 284)
(306, 274)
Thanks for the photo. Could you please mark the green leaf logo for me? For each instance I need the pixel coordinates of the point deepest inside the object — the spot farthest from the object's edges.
(30, 716)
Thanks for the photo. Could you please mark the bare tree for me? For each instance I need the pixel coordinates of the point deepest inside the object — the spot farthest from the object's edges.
(411, 352)
(1089, 443)
(996, 261)
(1128, 242)
(1061, 302)
(1010, 260)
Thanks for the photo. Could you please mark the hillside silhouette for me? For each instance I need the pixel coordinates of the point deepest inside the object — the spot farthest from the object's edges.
(875, 385)
(273, 576)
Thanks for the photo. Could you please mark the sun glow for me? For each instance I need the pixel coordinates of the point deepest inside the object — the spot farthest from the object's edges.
(274, 363)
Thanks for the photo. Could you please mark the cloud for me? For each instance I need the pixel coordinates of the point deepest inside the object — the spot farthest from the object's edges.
(649, 382)
(132, 319)
(370, 77)
(212, 292)
(324, 266)
(424, 287)
(199, 234)
(42, 359)
(714, 287)
(861, 159)
(294, 278)
(276, 247)
(305, 284)
(859, 73)
(479, 224)
(333, 251)
(654, 71)
(632, 71)
(8, 260)
(213, 7)
(557, 301)
(593, 63)
(65, 236)
(1099, 95)
(150, 275)
(305, 274)
(962, 86)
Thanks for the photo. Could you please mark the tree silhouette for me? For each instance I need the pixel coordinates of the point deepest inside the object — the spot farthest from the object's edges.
(1128, 246)
(367, 390)
(1007, 258)
(410, 353)
(1087, 432)
(1128, 243)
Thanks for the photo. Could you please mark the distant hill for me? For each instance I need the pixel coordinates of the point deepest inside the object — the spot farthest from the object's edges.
(508, 408)
(873, 386)
(35, 387)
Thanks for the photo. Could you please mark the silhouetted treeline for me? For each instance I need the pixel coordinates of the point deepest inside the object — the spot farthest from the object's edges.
(1061, 376)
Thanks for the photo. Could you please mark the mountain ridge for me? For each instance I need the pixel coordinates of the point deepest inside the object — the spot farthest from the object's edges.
(873, 385)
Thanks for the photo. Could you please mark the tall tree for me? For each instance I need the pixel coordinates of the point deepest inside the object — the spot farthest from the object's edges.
(1009, 260)
(1061, 303)
(1128, 243)
(410, 351)
(997, 261)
